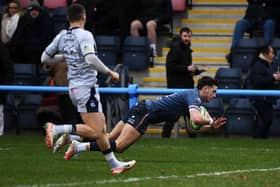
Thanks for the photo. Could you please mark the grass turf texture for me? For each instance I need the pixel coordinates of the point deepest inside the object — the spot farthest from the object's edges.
(26, 162)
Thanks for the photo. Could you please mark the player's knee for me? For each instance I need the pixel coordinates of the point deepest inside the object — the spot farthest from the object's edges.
(119, 150)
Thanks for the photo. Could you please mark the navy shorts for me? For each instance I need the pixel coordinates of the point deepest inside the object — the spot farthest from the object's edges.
(138, 117)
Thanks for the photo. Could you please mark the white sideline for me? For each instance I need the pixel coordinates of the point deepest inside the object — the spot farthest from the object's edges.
(4, 149)
(128, 180)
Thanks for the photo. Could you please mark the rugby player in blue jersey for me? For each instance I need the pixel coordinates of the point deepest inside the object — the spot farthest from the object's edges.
(129, 130)
(77, 47)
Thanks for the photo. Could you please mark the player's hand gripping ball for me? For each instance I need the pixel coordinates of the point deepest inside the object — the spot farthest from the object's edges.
(204, 113)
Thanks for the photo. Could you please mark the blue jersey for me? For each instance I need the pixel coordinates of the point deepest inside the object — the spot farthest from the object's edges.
(178, 103)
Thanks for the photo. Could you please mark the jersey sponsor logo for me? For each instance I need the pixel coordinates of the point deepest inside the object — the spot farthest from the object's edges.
(88, 48)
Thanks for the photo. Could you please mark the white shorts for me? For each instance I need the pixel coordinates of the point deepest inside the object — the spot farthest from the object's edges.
(86, 99)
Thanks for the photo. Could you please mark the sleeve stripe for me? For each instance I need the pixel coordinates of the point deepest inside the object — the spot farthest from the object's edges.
(194, 107)
(90, 53)
(47, 53)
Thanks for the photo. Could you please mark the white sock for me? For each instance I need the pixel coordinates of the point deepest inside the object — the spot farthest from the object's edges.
(153, 46)
(61, 129)
(74, 137)
(112, 160)
(81, 147)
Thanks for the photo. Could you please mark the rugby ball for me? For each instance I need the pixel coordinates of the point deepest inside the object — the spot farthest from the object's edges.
(204, 113)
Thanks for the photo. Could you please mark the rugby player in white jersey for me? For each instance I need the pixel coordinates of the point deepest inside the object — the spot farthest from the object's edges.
(77, 47)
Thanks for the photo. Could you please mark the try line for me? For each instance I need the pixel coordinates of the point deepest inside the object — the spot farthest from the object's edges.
(138, 179)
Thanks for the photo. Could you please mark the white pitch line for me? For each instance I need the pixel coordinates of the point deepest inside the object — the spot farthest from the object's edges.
(4, 149)
(138, 179)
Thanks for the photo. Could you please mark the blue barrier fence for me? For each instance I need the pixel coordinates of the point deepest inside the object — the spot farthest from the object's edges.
(134, 91)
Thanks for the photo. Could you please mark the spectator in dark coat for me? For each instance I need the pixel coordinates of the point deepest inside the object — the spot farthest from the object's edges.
(149, 15)
(33, 34)
(179, 68)
(263, 78)
(6, 77)
(259, 14)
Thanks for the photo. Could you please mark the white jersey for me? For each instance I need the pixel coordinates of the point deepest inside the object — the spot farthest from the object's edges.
(75, 43)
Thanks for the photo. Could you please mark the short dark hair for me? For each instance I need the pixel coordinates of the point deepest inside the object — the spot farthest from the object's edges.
(206, 81)
(185, 29)
(264, 49)
(75, 12)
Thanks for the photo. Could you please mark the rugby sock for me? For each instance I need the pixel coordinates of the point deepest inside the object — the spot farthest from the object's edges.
(75, 137)
(94, 146)
(81, 147)
(61, 129)
(111, 159)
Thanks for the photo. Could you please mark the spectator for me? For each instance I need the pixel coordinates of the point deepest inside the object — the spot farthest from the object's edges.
(258, 13)
(6, 76)
(149, 15)
(179, 68)
(33, 34)
(10, 20)
(263, 78)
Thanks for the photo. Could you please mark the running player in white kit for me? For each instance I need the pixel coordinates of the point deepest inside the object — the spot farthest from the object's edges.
(77, 47)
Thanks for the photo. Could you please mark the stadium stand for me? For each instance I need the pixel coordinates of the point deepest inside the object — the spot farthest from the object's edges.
(26, 111)
(244, 53)
(179, 5)
(229, 78)
(25, 74)
(59, 19)
(136, 53)
(108, 48)
(52, 4)
(240, 116)
(275, 127)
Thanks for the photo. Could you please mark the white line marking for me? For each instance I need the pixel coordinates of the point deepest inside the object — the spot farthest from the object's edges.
(4, 149)
(130, 180)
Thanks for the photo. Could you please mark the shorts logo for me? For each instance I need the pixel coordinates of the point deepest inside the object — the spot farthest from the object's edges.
(92, 104)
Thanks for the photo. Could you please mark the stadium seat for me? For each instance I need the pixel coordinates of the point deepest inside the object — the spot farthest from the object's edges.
(25, 74)
(52, 4)
(26, 110)
(229, 78)
(136, 53)
(108, 48)
(179, 5)
(244, 53)
(276, 46)
(275, 127)
(241, 116)
(10, 113)
(59, 19)
(24, 3)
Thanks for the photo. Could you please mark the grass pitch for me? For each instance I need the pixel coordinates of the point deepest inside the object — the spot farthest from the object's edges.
(203, 161)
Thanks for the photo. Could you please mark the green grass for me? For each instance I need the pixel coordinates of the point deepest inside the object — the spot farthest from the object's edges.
(25, 162)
